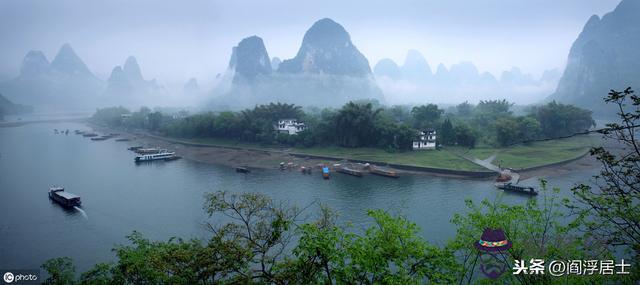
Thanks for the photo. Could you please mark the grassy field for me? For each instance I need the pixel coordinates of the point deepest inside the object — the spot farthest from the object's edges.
(537, 153)
(434, 158)
(519, 156)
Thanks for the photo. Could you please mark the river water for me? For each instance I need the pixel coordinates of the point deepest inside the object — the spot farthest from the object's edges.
(165, 199)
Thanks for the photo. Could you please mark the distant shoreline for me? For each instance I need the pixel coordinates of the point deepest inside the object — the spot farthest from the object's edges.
(21, 123)
(264, 158)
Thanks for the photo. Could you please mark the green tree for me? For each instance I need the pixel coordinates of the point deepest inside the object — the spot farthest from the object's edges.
(447, 134)
(612, 207)
(507, 131)
(558, 120)
(61, 271)
(528, 128)
(464, 109)
(465, 136)
(426, 116)
(355, 125)
(111, 116)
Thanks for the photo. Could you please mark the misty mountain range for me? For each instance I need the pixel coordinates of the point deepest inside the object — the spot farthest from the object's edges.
(64, 81)
(126, 84)
(415, 82)
(67, 83)
(329, 70)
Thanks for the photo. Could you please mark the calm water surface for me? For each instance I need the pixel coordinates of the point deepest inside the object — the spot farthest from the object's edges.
(162, 200)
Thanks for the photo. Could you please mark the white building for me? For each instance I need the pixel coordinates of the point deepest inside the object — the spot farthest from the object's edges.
(427, 140)
(290, 126)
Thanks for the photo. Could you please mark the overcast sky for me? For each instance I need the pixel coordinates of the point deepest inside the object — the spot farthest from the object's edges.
(176, 40)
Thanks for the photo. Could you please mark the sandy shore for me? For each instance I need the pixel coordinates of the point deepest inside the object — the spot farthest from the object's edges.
(271, 159)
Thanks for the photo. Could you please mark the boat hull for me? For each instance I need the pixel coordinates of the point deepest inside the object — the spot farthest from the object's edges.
(64, 202)
(349, 171)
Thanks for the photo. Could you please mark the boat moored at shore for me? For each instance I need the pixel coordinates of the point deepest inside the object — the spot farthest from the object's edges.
(383, 172)
(64, 198)
(349, 171)
(166, 156)
(325, 172)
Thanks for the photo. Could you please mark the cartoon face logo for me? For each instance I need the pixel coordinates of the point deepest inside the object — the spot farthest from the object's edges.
(491, 265)
(492, 243)
(8, 277)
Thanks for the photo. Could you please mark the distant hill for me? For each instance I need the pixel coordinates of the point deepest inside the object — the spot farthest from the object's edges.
(127, 86)
(66, 82)
(328, 70)
(415, 82)
(9, 108)
(606, 55)
(327, 49)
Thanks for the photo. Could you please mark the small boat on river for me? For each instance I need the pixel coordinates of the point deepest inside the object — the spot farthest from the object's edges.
(122, 139)
(134, 148)
(101, 138)
(242, 169)
(166, 156)
(325, 172)
(517, 189)
(350, 171)
(64, 198)
(89, 135)
(383, 172)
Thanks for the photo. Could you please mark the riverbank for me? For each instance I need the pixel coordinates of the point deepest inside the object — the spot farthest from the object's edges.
(11, 124)
(440, 163)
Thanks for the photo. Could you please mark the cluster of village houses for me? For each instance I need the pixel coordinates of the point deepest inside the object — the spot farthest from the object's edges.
(426, 140)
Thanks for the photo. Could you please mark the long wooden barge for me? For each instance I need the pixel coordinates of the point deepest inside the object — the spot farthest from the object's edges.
(517, 189)
(64, 198)
(350, 171)
(383, 172)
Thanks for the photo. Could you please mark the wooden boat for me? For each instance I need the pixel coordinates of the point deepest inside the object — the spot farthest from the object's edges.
(89, 135)
(101, 138)
(64, 198)
(122, 139)
(166, 156)
(305, 170)
(517, 189)
(383, 172)
(134, 148)
(325, 172)
(242, 169)
(350, 171)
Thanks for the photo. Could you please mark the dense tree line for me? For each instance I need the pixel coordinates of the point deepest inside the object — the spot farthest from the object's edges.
(366, 124)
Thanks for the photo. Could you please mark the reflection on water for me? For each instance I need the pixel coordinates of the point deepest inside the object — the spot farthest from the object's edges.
(162, 200)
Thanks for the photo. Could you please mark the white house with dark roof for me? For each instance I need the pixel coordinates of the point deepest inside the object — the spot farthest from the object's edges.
(426, 140)
(290, 126)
